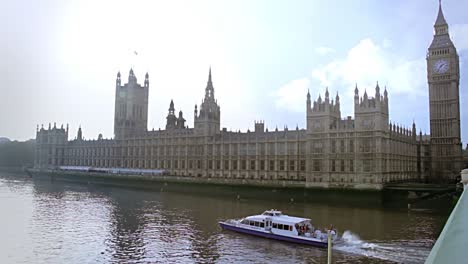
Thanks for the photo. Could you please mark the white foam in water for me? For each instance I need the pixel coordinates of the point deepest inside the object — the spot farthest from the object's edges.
(385, 251)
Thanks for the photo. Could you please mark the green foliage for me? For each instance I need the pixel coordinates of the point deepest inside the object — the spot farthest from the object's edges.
(17, 154)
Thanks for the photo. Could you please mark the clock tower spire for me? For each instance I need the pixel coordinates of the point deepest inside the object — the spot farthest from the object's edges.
(443, 76)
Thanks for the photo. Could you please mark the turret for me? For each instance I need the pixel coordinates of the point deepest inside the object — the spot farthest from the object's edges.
(356, 95)
(180, 121)
(377, 92)
(171, 107)
(337, 102)
(385, 95)
(146, 80)
(79, 136)
(118, 81)
(171, 119)
(308, 102)
(327, 96)
(131, 77)
(259, 126)
(207, 121)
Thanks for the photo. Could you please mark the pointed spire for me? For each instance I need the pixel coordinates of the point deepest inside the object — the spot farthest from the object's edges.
(356, 91)
(440, 16)
(171, 106)
(308, 94)
(209, 75)
(118, 74)
(146, 75)
(337, 98)
(326, 93)
(209, 91)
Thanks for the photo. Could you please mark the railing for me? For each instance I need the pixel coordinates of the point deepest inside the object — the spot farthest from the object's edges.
(451, 244)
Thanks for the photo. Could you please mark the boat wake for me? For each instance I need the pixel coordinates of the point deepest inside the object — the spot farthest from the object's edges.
(395, 251)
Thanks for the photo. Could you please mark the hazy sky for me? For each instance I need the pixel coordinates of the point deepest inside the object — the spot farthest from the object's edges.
(60, 58)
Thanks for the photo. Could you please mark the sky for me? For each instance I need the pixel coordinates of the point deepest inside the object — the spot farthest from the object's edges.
(60, 59)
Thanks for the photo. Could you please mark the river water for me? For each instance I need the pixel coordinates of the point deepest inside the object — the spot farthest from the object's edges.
(54, 221)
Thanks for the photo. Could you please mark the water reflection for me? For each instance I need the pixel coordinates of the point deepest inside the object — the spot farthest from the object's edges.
(126, 242)
(68, 222)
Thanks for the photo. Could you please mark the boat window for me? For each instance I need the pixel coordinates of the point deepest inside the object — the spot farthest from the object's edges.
(252, 223)
(275, 225)
(257, 223)
(290, 228)
(262, 225)
(245, 222)
(280, 226)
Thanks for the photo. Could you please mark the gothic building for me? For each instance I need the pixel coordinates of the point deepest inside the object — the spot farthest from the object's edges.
(332, 151)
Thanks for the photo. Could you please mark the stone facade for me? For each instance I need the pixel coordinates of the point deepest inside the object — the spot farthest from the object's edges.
(332, 151)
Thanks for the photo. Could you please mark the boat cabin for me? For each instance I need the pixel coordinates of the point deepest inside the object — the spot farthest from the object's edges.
(276, 222)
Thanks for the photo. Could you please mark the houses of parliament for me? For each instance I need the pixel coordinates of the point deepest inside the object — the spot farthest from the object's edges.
(331, 152)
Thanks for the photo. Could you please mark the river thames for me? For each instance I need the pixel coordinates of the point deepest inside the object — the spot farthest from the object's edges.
(54, 221)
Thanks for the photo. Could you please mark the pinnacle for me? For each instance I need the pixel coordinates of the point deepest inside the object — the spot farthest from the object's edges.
(440, 16)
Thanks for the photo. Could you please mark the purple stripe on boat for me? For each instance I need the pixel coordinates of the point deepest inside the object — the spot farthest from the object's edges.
(273, 236)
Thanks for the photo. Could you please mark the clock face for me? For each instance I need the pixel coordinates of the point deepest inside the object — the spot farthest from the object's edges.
(441, 66)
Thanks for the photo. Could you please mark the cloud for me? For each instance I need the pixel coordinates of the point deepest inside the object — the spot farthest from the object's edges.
(291, 96)
(364, 64)
(324, 50)
(459, 34)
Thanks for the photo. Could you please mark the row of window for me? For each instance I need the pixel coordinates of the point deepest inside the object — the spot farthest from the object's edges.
(262, 224)
(441, 52)
(197, 164)
(253, 223)
(228, 149)
(282, 226)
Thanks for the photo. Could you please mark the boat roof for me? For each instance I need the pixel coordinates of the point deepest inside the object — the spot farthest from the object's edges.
(278, 216)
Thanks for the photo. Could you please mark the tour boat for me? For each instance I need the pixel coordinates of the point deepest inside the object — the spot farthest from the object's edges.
(276, 225)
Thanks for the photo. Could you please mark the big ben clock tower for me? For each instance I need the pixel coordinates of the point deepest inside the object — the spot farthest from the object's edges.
(443, 75)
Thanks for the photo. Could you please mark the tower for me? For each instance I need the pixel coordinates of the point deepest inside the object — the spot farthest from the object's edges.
(371, 113)
(443, 76)
(131, 107)
(207, 121)
(171, 119)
